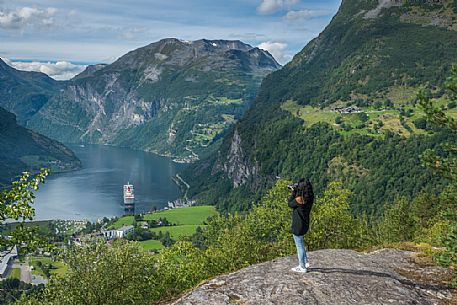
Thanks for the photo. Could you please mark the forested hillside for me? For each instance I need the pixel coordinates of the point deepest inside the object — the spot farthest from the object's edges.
(344, 109)
(23, 92)
(25, 150)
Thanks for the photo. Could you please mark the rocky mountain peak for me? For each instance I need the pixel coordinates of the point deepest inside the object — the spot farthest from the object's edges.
(335, 277)
(176, 52)
(223, 44)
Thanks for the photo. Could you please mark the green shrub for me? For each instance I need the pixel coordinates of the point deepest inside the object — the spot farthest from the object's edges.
(398, 223)
(420, 123)
(332, 225)
(101, 274)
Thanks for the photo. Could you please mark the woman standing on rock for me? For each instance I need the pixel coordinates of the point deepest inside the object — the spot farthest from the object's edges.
(301, 202)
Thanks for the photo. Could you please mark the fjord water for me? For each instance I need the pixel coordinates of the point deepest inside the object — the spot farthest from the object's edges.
(95, 191)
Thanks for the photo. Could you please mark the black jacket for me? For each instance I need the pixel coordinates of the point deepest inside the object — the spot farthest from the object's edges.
(300, 216)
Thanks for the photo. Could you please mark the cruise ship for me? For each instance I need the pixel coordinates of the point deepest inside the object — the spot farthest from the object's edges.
(129, 196)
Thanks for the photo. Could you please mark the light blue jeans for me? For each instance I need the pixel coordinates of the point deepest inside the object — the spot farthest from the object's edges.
(301, 251)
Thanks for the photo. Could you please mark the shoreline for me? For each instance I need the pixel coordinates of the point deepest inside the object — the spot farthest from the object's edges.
(174, 158)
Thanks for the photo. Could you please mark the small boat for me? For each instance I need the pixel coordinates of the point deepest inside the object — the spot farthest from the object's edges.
(129, 196)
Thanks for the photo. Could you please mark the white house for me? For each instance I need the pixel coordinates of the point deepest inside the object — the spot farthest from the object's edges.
(118, 233)
(6, 260)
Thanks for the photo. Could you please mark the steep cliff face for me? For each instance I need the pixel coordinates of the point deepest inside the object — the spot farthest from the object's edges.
(237, 166)
(335, 277)
(173, 97)
(25, 150)
(374, 55)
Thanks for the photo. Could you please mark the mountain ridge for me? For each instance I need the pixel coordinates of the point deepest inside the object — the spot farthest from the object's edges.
(24, 92)
(151, 97)
(25, 150)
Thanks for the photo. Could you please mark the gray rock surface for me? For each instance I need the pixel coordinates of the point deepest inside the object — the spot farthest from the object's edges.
(238, 166)
(335, 277)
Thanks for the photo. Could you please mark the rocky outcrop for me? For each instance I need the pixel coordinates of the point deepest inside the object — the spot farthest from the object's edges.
(237, 166)
(335, 277)
(374, 13)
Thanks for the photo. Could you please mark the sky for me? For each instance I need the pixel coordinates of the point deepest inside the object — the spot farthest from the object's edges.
(60, 38)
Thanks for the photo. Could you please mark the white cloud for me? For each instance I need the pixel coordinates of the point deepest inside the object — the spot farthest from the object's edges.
(27, 16)
(277, 50)
(269, 6)
(304, 15)
(7, 61)
(61, 70)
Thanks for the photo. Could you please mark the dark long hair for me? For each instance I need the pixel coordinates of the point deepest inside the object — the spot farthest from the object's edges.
(305, 190)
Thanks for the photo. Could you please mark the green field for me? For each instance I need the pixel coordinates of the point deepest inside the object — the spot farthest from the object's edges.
(42, 226)
(183, 216)
(379, 120)
(177, 232)
(151, 245)
(228, 118)
(59, 268)
(15, 273)
(186, 219)
(224, 100)
(123, 221)
(203, 134)
(402, 95)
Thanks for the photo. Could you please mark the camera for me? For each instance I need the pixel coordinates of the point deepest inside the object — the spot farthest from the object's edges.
(292, 186)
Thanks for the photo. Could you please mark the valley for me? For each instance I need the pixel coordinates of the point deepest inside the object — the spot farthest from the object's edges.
(95, 191)
(172, 97)
(214, 139)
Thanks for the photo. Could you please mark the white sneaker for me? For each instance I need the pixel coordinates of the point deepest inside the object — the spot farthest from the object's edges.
(306, 265)
(299, 269)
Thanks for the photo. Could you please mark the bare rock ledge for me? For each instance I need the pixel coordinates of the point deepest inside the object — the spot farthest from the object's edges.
(335, 277)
